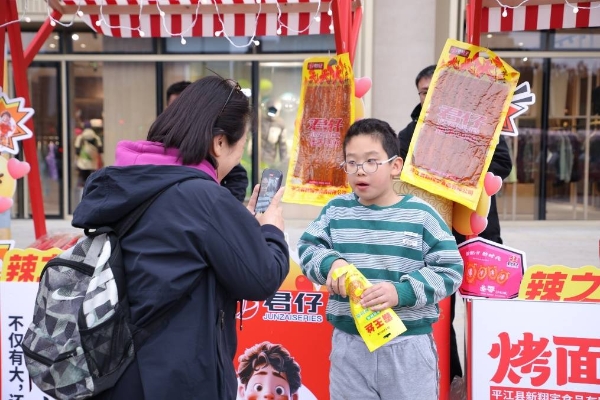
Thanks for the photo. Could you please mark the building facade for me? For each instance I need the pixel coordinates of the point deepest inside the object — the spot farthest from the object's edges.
(117, 87)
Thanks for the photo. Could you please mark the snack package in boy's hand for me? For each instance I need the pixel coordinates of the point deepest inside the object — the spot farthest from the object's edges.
(375, 327)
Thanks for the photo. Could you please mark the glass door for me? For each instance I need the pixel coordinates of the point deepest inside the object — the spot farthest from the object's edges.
(45, 100)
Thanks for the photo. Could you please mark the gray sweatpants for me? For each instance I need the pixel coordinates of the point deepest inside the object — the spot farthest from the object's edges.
(403, 369)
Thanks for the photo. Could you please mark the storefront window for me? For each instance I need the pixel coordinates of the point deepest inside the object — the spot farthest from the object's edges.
(45, 100)
(571, 175)
(90, 42)
(280, 97)
(208, 45)
(297, 44)
(87, 111)
(576, 39)
(512, 40)
(51, 45)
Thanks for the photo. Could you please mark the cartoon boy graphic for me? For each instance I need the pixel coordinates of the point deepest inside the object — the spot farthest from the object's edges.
(268, 371)
(7, 127)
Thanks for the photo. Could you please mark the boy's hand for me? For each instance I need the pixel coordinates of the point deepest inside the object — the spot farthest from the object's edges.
(337, 286)
(380, 296)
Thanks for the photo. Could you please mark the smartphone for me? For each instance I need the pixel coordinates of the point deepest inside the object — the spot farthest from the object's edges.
(270, 182)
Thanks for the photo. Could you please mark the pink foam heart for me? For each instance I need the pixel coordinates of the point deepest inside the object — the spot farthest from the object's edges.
(18, 169)
(5, 204)
(362, 86)
(492, 183)
(478, 223)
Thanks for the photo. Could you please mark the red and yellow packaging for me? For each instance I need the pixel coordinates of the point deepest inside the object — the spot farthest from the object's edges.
(460, 123)
(326, 112)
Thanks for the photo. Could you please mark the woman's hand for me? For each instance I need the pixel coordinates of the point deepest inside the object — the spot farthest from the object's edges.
(274, 213)
(252, 202)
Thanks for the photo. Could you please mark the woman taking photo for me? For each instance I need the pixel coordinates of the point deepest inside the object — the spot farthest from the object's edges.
(194, 228)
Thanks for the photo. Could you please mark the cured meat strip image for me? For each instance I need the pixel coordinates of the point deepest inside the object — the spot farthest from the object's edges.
(459, 125)
(325, 120)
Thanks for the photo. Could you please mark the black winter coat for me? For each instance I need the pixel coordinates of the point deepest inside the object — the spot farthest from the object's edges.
(501, 165)
(194, 228)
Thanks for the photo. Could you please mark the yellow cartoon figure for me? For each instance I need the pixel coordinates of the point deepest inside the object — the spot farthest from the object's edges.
(10, 171)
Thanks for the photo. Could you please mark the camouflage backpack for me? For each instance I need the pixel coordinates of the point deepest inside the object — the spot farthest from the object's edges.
(81, 339)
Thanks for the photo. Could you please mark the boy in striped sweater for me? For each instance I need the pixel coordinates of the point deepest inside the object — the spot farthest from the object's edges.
(403, 246)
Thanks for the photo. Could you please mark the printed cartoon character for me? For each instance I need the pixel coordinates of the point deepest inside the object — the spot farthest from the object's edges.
(7, 127)
(356, 287)
(482, 272)
(471, 223)
(268, 371)
(471, 271)
(503, 276)
(10, 171)
(492, 273)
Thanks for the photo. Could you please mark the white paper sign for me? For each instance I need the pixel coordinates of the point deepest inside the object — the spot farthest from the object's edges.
(16, 312)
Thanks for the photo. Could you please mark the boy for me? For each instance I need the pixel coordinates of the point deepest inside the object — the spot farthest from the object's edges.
(268, 371)
(402, 245)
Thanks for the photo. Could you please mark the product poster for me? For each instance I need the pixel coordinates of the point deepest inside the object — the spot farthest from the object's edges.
(326, 112)
(290, 333)
(460, 123)
(533, 350)
(492, 270)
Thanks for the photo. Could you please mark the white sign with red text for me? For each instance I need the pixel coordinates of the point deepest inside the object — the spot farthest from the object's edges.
(532, 350)
(17, 300)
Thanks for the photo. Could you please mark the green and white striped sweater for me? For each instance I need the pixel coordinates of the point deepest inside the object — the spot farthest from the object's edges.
(407, 244)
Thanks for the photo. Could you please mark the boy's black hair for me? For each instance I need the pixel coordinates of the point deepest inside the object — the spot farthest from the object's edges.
(209, 107)
(5, 113)
(378, 129)
(264, 354)
(426, 72)
(177, 88)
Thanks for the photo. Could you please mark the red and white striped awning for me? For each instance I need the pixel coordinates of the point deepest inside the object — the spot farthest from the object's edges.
(166, 18)
(539, 17)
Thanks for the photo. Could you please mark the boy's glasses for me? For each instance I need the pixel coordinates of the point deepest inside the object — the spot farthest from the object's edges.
(369, 166)
(234, 86)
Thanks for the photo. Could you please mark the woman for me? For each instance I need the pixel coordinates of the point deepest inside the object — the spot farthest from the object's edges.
(195, 227)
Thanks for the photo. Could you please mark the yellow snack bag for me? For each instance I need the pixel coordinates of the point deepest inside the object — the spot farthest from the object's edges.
(375, 327)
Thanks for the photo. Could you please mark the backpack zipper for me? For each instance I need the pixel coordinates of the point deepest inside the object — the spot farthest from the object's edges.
(45, 360)
(76, 265)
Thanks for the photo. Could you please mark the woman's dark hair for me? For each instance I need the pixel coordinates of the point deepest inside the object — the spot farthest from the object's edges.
(209, 107)
(379, 130)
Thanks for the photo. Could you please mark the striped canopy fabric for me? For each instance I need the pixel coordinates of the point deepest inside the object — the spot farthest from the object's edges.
(540, 16)
(166, 18)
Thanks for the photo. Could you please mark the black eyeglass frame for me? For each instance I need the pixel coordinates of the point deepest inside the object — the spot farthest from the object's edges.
(233, 88)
